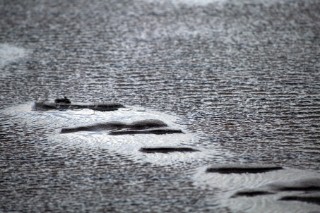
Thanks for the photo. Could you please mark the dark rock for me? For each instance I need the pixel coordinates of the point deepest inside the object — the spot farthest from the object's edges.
(167, 149)
(149, 131)
(147, 124)
(310, 184)
(64, 100)
(115, 125)
(251, 193)
(240, 169)
(96, 127)
(314, 199)
(61, 104)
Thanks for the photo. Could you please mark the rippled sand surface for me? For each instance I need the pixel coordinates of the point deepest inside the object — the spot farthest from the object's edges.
(240, 78)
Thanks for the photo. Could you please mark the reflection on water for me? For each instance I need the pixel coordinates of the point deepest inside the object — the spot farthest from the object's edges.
(10, 53)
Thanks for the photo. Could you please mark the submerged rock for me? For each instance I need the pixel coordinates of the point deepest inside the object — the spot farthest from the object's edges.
(167, 149)
(252, 188)
(239, 169)
(251, 193)
(313, 198)
(161, 131)
(62, 104)
(116, 125)
(96, 127)
(146, 124)
(309, 184)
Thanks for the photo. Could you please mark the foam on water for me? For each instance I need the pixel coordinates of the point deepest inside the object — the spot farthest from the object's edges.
(127, 145)
(10, 53)
(229, 184)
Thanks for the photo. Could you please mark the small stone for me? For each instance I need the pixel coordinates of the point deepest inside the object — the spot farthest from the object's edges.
(64, 100)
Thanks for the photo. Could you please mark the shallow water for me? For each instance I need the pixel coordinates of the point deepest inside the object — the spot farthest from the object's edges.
(240, 78)
(126, 145)
(230, 184)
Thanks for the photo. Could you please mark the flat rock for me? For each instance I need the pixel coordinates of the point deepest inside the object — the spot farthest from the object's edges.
(116, 125)
(313, 198)
(251, 193)
(160, 131)
(167, 149)
(240, 169)
(309, 184)
(64, 105)
(146, 124)
(275, 191)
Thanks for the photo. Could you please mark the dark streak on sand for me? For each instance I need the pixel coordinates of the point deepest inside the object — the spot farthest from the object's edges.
(167, 149)
(240, 169)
